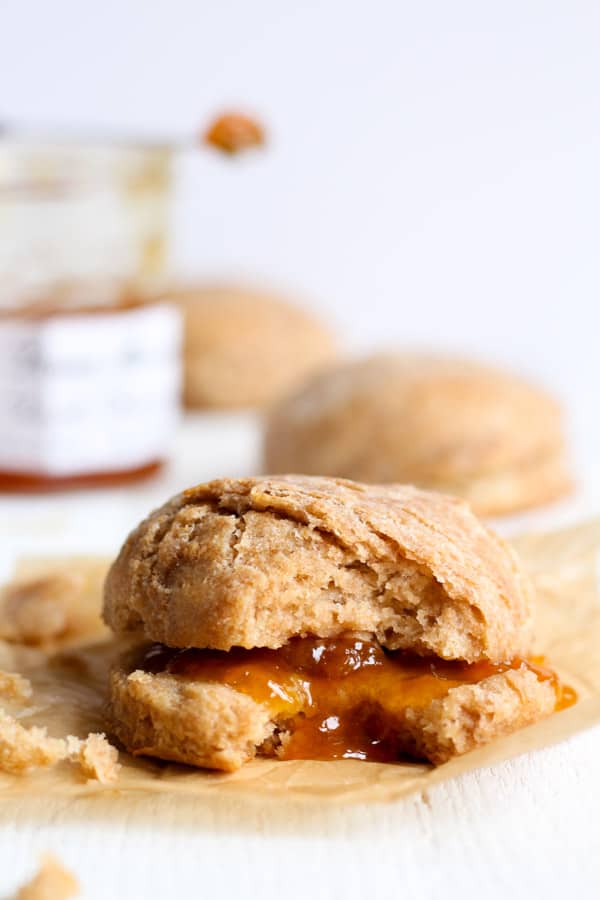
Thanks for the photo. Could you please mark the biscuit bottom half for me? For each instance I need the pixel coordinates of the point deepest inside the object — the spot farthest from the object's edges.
(321, 699)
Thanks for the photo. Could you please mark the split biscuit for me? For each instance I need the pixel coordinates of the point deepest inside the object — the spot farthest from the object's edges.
(302, 617)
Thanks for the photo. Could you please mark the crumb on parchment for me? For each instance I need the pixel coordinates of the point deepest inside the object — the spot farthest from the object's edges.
(51, 882)
(14, 686)
(48, 603)
(96, 756)
(23, 750)
(233, 132)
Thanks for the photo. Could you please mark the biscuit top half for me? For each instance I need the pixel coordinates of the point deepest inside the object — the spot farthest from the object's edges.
(254, 562)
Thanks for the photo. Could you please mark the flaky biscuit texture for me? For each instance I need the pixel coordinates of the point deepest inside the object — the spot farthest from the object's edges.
(253, 562)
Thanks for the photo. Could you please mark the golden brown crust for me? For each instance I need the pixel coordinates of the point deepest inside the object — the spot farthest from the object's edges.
(438, 422)
(245, 348)
(256, 561)
(215, 726)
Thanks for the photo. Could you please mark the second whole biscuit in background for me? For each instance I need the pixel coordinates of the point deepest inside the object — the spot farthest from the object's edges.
(246, 347)
(440, 422)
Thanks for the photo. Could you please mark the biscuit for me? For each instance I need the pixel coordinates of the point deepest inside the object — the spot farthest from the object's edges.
(256, 561)
(438, 422)
(320, 619)
(246, 348)
(216, 726)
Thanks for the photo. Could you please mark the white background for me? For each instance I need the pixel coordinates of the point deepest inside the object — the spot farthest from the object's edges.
(434, 167)
(432, 177)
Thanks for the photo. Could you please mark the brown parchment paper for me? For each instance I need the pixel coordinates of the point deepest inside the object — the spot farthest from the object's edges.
(69, 694)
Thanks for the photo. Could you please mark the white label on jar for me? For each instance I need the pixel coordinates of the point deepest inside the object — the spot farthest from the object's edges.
(89, 392)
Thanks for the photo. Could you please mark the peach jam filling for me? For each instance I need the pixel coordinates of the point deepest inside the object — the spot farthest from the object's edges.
(337, 696)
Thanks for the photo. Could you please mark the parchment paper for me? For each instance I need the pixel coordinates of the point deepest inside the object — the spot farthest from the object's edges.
(69, 694)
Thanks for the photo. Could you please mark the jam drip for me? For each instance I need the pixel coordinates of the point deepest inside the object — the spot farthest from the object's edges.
(233, 132)
(336, 697)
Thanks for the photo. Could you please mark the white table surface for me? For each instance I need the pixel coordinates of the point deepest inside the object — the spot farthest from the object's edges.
(527, 828)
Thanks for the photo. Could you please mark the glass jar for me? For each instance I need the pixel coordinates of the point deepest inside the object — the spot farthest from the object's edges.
(89, 369)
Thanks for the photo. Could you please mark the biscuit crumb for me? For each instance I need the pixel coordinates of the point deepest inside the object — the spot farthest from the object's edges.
(23, 749)
(14, 686)
(53, 602)
(96, 756)
(51, 882)
(36, 611)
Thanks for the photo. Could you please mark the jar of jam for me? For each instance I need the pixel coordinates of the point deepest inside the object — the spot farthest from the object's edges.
(89, 369)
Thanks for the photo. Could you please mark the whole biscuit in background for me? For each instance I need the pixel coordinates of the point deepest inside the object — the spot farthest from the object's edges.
(439, 422)
(246, 348)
